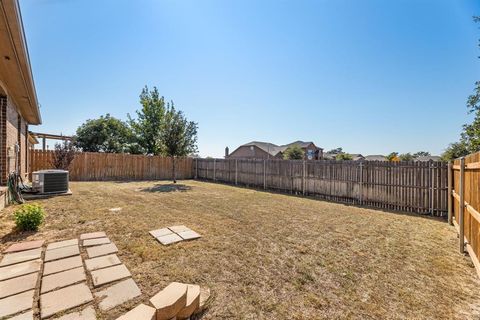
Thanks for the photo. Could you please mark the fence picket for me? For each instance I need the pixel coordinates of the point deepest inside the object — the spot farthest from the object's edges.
(403, 186)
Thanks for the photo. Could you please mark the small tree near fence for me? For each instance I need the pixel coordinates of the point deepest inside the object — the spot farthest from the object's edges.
(293, 153)
(178, 136)
(63, 155)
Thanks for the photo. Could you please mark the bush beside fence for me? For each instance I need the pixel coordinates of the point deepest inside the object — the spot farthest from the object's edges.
(419, 187)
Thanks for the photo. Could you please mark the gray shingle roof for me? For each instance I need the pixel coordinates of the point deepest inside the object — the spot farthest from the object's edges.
(274, 149)
(375, 157)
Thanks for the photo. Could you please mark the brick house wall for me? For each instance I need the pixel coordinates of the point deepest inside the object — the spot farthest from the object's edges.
(13, 131)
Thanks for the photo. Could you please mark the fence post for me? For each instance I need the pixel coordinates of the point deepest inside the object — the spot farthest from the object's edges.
(291, 175)
(196, 168)
(360, 197)
(450, 195)
(432, 192)
(264, 174)
(206, 168)
(236, 171)
(303, 178)
(214, 161)
(462, 205)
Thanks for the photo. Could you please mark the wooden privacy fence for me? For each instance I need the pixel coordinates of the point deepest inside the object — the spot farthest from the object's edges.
(419, 187)
(464, 204)
(116, 166)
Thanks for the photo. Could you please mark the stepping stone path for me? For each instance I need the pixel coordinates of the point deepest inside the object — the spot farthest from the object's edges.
(174, 234)
(55, 277)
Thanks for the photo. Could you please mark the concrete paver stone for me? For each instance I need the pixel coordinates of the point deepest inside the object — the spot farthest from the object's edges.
(101, 250)
(24, 316)
(21, 256)
(95, 242)
(110, 274)
(26, 245)
(62, 279)
(178, 229)
(189, 235)
(86, 314)
(169, 239)
(93, 235)
(102, 262)
(20, 269)
(62, 265)
(205, 299)
(170, 300)
(193, 302)
(61, 253)
(17, 303)
(160, 232)
(64, 299)
(61, 244)
(117, 294)
(140, 312)
(18, 285)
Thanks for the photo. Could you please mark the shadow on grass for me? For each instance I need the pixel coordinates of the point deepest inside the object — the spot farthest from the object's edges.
(172, 187)
(16, 235)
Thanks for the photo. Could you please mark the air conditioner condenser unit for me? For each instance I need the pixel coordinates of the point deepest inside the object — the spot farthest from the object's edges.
(50, 181)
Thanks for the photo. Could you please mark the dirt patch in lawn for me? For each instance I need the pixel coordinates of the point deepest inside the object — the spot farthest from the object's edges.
(272, 256)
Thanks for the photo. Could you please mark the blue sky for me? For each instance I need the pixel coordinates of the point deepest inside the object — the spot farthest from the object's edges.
(371, 76)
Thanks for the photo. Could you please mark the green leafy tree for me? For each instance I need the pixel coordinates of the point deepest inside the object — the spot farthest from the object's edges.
(293, 153)
(406, 157)
(344, 156)
(178, 136)
(470, 136)
(455, 150)
(336, 151)
(148, 124)
(421, 154)
(105, 134)
(471, 132)
(393, 156)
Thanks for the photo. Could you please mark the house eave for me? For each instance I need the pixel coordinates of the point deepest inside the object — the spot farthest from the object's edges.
(15, 69)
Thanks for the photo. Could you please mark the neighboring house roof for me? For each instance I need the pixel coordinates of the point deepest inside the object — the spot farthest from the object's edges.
(274, 149)
(375, 157)
(428, 158)
(329, 156)
(16, 79)
(356, 156)
(269, 148)
(301, 144)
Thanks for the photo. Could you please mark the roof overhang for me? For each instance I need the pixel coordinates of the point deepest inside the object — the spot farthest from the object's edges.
(32, 139)
(15, 71)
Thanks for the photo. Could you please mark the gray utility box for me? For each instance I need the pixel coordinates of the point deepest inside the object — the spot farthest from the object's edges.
(50, 181)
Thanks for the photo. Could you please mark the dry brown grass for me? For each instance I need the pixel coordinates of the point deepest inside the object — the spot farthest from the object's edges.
(272, 256)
